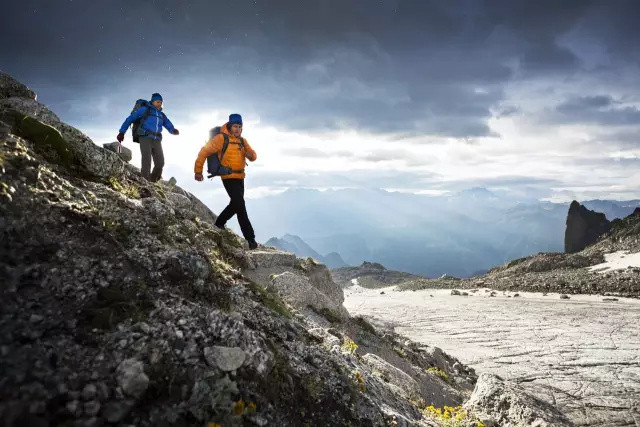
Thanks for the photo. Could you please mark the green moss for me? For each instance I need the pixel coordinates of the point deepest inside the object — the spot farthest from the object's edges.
(160, 190)
(365, 325)
(329, 314)
(270, 299)
(400, 352)
(124, 187)
(46, 138)
(439, 372)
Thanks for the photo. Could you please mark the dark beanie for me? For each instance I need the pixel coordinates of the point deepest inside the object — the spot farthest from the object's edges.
(156, 97)
(235, 119)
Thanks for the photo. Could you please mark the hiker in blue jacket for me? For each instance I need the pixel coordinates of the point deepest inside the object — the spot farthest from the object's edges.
(150, 135)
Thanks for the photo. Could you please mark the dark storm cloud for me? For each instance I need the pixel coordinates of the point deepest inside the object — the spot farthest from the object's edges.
(598, 109)
(434, 67)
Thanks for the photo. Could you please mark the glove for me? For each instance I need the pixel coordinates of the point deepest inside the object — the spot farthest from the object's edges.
(176, 132)
(199, 177)
(120, 137)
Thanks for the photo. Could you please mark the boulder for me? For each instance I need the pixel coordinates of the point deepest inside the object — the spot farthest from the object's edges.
(125, 154)
(183, 267)
(196, 207)
(584, 227)
(225, 358)
(270, 258)
(399, 381)
(298, 290)
(131, 378)
(500, 403)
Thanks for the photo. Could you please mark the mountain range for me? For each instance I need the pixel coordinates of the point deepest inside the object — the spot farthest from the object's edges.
(296, 245)
(462, 234)
(579, 271)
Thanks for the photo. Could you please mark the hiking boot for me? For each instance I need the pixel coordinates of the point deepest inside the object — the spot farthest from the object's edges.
(252, 243)
(221, 227)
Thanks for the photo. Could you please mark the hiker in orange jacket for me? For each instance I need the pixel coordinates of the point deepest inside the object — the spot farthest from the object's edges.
(234, 159)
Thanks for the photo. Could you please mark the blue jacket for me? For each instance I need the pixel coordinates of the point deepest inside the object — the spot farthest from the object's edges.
(152, 125)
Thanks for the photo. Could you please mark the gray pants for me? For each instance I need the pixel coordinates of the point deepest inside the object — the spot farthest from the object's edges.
(149, 147)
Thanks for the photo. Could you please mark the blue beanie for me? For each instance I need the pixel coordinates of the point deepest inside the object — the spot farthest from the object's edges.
(156, 97)
(235, 119)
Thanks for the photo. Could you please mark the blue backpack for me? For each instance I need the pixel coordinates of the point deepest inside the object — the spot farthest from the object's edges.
(214, 161)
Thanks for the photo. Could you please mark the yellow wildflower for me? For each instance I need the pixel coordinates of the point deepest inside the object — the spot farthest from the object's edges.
(238, 407)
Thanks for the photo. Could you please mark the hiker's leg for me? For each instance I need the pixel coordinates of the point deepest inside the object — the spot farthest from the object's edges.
(158, 160)
(240, 209)
(145, 151)
(231, 186)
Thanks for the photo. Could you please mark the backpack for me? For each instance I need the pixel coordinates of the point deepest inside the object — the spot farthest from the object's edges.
(214, 161)
(136, 127)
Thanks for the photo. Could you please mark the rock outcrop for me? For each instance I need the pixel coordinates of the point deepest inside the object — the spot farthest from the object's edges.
(499, 403)
(123, 304)
(125, 154)
(584, 227)
(370, 275)
(10, 87)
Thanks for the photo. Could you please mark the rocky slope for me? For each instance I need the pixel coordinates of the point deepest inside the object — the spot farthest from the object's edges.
(123, 304)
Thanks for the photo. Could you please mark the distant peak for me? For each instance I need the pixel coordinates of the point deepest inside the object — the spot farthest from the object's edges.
(375, 265)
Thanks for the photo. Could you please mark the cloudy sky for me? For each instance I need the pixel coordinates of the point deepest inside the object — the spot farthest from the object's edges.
(539, 99)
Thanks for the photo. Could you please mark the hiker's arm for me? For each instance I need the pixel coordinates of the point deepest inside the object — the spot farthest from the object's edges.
(213, 146)
(249, 153)
(132, 118)
(168, 125)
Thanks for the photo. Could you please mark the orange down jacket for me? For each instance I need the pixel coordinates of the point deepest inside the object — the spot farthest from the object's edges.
(233, 157)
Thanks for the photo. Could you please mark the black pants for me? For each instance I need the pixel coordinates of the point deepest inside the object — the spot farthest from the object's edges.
(151, 148)
(235, 190)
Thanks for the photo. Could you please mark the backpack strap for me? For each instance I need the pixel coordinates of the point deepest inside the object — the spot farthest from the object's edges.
(144, 118)
(225, 145)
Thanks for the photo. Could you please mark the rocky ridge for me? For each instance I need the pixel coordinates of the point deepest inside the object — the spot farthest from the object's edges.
(565, 273)
(370, 275)
(123, 304)
(584, 227)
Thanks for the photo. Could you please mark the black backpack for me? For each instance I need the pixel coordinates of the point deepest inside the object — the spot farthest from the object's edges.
(214, 161)
(136, 126)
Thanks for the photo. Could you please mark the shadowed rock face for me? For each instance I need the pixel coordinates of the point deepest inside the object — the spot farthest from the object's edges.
(10, 87)
(584, 227)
